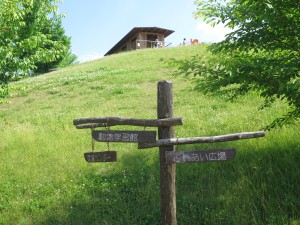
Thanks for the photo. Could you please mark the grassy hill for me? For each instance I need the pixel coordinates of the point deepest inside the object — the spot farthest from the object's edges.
(44, 178)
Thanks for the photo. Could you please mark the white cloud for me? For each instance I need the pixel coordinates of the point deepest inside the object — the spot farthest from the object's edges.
(212, 34)
(89, 57)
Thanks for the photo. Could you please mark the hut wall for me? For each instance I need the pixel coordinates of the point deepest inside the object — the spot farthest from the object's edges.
(143, 43)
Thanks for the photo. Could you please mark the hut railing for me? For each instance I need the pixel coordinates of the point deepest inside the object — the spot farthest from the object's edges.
(151, 44)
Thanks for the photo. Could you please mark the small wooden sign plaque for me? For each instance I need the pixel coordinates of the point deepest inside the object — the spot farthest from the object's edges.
(106, 156)
(124, 136)
(212, 155)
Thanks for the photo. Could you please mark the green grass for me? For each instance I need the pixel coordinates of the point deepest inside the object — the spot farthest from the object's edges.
(44, 178)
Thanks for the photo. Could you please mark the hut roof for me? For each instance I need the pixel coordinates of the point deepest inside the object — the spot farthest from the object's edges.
(135, 31)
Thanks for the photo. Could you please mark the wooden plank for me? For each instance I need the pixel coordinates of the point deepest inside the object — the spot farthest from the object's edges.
(113, 121)
(105, 156)
(195, 140)
(200, 156)
(91, 125)
(124, 136)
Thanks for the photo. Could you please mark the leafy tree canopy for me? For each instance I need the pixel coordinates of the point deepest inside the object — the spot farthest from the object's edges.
(31, 39)
(261, 53)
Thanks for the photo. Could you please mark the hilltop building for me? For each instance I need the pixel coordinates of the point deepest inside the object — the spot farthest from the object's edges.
(141, 37)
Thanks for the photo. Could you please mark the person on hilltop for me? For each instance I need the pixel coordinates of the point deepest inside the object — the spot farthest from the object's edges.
(185, 43)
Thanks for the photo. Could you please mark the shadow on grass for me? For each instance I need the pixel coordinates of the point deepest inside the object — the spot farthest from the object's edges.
(258, 187)
(129, 194)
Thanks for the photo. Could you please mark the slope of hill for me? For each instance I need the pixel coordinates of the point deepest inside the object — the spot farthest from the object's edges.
(44, 178)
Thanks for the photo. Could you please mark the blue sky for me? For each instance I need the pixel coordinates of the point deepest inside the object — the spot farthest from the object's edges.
(95, 26)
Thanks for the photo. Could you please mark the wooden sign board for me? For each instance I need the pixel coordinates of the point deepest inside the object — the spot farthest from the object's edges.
(198, 156)
(106, 156)
(124, 136)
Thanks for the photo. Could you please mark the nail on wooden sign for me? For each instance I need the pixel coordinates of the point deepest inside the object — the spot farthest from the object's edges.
(198, 156)
(124, 136)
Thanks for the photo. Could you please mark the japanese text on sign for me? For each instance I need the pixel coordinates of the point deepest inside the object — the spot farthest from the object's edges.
(124, 136)
(200, 156)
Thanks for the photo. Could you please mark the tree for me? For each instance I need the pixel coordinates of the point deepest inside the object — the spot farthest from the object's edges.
(68, 59)
(30, 36)
(56, 33)
(260, 54)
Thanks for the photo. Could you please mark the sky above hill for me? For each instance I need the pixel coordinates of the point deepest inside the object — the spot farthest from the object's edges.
(96, 26)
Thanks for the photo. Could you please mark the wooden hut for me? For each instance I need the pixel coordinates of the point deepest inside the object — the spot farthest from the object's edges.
(141, 37)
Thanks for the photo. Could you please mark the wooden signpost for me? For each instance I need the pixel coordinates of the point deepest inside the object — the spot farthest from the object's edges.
(167, 171)
(166, 143)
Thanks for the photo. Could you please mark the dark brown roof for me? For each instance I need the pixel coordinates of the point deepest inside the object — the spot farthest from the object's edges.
(136, 30)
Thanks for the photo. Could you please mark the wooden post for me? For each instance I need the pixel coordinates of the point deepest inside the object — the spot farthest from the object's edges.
(167, 171)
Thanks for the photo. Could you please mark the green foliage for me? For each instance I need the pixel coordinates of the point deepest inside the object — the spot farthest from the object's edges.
(31, 38)
(68, 59)
(57, 34)
(261, 53)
